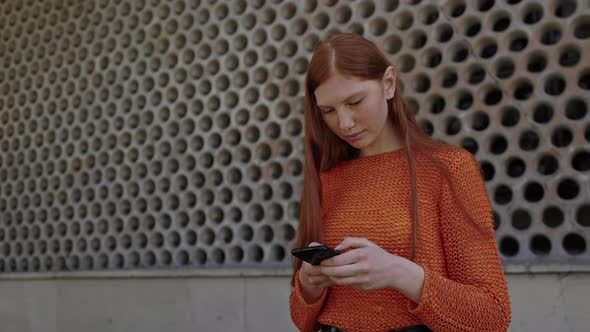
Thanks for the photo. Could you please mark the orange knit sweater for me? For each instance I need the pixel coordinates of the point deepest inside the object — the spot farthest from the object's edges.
(370, 197)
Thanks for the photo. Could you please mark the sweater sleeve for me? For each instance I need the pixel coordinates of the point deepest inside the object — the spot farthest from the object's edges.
(303, 314)
(474, 296)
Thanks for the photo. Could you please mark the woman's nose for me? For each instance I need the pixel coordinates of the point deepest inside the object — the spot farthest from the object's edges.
(345, 119)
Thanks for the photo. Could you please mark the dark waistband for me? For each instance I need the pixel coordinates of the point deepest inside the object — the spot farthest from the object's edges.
(415, 328)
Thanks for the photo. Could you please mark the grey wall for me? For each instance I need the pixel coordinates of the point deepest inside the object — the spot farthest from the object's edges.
(540, 303)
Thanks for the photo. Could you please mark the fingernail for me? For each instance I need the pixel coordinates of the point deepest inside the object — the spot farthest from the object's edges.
(338, 247)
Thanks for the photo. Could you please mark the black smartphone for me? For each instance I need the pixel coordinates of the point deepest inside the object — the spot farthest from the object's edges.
(314, 255)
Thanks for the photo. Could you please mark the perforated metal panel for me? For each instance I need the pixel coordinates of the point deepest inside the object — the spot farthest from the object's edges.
(164, 134)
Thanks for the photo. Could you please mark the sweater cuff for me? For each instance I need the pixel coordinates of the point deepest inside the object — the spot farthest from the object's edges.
(425, 299)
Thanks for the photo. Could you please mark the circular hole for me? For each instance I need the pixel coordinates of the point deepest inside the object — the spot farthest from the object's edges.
(516, 167)
(536, 63)
(529, 140)
(236, 254)
(266, 233)
(581, 161)
(523, 91)
(533, 192)
(540, 245)
(449, 79)
(501, 22)
(582, 27)
(561, 137)
(472, 26)
(510, 116)
(576, 109)
(417, 39)
(488, 170)
(532, 14)
(509, 246)
(555, 85)
(277, 253)
(521, 219)
(444, 33)
(246, 233)
(255, 254)
(553, 217)
(218, 255)
(505, 68)
(551, 34)
(503, 194)
(547, 165)
(453, 126)
(488, 49)
(518, 42)
(422, 83)
(356, 28)
(574, 244)
(498, 145)
(565, 8)
(343, 14)
(493, 96)
(404, 20)
(429, 15)
(460, 53)
(437, 104)
(427, 127)
(378, 27)
(569, 56)
(406, 63)
(432, 58)
(470, 145)
(583, 215)
(568, 189)
(321, 20)
(543, 113)
(584, 81)
(392, 44)
(485, 5)
(477, 75)
(456, 8)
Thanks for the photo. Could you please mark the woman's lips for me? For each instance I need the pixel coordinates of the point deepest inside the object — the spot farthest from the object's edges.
(354, 137)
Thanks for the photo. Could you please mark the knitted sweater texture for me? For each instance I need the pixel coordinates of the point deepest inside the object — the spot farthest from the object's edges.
(370, 197)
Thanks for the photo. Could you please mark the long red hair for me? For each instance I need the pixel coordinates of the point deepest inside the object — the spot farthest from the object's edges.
(353, 56)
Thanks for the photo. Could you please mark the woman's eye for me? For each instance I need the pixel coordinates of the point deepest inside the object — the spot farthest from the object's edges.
(356, 102)
(326, 111)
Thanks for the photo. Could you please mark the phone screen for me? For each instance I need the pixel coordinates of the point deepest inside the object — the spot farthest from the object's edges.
(314, 255)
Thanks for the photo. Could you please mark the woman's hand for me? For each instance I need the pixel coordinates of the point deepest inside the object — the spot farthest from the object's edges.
(313, 282)
(368, 267)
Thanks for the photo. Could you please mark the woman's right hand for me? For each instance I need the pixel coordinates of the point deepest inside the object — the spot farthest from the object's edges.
(312, 281)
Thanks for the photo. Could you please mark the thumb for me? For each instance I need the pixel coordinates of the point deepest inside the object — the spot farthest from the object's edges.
(313, 244)
(353, 242)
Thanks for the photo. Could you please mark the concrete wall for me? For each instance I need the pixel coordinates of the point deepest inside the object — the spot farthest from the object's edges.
(540, 302)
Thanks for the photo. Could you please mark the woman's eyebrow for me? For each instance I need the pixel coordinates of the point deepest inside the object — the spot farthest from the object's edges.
(349, 97)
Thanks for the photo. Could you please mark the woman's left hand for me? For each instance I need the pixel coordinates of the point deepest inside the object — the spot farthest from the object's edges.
(368, 267)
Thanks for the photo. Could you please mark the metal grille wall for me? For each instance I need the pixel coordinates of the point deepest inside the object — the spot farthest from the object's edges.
(155, 134)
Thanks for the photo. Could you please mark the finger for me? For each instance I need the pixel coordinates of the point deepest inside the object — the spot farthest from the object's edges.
(320, 281)
(353, 242)
(350, 281)
(311, 270)
(344, 271)
(313, 244)
(349, 257)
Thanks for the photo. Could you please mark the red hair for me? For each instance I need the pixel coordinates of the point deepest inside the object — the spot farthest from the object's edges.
(352, 56)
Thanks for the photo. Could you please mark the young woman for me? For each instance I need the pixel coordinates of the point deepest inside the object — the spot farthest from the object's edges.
(410, 215)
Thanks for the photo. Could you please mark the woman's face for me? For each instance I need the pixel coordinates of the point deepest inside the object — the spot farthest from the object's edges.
(356, 111)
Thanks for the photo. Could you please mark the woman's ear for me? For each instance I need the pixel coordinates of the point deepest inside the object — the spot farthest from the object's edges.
(389, 79)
